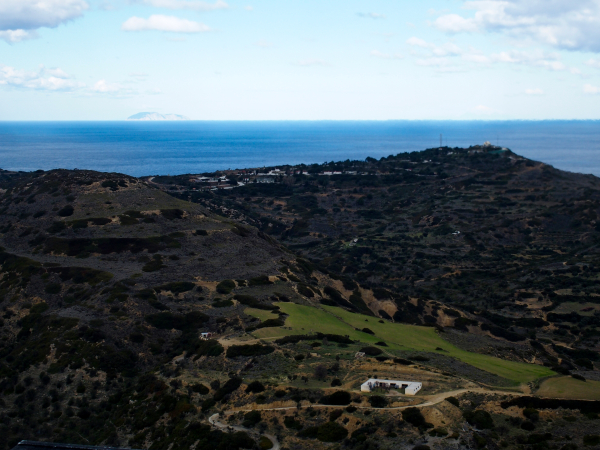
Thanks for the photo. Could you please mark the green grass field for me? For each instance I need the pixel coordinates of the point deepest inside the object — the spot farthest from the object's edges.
(260, 314)
(307, 319)
(567, 387)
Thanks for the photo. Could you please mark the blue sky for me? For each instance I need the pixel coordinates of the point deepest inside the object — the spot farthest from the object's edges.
(300, 60)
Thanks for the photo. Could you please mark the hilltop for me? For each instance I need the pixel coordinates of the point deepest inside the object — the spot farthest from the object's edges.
(472, 270)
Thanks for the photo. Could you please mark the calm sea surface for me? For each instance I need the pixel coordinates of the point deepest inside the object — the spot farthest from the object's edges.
(153, 148)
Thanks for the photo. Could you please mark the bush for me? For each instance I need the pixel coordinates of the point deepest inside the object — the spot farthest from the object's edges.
(368, 331)
(415, 418)
(249, 350)
(225, 287)
(168, 321)
(259, 281)
(251, 419)
(527, 426)
(371, 351)
(264, 443)
(292, 423)
(578, 377)
(53, 288)
(479, 418)
(255, 387)
(199, 388)
(591, 439)
(172, 214)
(404, 362)
(331, 432)
(66, 211)
(377, 401)
(336, 382)
(453, 401)
(338, 398)
(231, 385)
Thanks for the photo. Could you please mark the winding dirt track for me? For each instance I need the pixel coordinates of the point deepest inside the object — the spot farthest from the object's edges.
(432, 400)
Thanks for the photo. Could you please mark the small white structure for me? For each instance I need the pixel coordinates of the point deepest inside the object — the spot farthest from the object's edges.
(205, 336)
(410, 387)
(359, 355)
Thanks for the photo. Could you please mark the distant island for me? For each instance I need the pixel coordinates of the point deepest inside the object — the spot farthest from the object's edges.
(156, 116)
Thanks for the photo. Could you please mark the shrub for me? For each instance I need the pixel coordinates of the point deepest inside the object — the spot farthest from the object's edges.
(255, 387)
(249, 350)
(292, 423)
(336, 382)
(177, 287)
(334, 415)
(415, 418)
(265, 443)
(305, 290)
(368, 331)
(527, 426)
(338, 398)
(331, 432)
(231, 385)
(351, 409)
(404, 362)
(479, 418)
(53, 288)
(591, 439)
(453, 401)
(136, 338)
(438, 432)
(251, 419)
(259, 281)
(199, 388)
(371, 351)
(225, 287)
(578, 377)
(172, 214)
(222, 304)
(66, 211)
(377, 401)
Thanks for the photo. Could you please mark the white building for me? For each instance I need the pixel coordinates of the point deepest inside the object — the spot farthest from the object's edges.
(410, 387)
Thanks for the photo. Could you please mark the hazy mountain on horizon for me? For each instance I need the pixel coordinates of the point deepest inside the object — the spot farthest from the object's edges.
(156, 116)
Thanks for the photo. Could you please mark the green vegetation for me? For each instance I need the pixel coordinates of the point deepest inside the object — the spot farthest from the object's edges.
(304, 319)
(570, 388)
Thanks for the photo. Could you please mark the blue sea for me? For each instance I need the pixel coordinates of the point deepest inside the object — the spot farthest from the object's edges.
(160, 148)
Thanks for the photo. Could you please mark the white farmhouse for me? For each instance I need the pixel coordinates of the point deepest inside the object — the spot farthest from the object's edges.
(410, 387)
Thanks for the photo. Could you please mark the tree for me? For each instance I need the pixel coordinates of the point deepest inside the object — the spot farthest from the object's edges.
(320, 372)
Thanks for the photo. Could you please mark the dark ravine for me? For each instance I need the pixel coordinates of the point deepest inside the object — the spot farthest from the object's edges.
(107, 280)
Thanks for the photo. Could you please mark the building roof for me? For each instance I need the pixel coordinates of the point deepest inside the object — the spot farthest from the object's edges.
(375, 380)
(32, 445)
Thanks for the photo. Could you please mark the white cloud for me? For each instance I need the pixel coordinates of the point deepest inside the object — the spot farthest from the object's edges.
(591, 89)
(378, 54)
(194, 5)
(565, 24)
(248, 8)
(312, 62)
(159, 22)
(19, 17)
(14, 36)
(535, 91)
(103, 87)
(43, 79)
(448, 48)
(550, 61)
(372, 15)
(595, 63)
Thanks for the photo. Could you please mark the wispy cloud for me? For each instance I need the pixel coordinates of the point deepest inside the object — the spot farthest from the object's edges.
(565, 24)
(595, 63)
(591, 89)
(378, 54)
(536, 91)
(194, 5)
(371, 15)
(43, 79)
(312, 62)
(159, 22)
